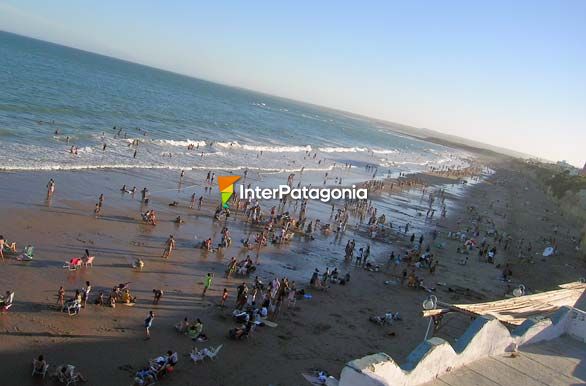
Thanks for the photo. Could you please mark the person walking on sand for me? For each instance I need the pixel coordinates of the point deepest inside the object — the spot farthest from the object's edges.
(148, 323)
(86, 294)
(157, 295)
(61, 297)
(224, 298)
(207, 284)
(169, 246)
(97, 210)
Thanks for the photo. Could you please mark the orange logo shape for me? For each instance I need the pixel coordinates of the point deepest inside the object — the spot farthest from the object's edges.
(226, 185)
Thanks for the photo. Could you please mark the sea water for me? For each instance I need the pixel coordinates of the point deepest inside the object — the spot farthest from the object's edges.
(48, 88)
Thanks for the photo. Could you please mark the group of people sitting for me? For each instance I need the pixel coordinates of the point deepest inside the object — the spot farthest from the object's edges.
(282, 236)
(77, 262)
(241, 332)
(138, 263)
(328, 276)
(119, 294)
(243, 267)
(150, 217)
(386, 319)
(258, 238)
(65, 374)
(6, 246)
(207, 245)
(156, 368)
(192, 329)
(73, 305)
(9, 247)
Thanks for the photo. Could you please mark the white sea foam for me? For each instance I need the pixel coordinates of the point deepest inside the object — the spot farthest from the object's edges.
(342, 149)
(184, 143)
(268, 149)
(387, 151)
(64, 167)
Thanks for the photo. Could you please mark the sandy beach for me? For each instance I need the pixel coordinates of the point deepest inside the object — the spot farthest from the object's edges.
(107, 344)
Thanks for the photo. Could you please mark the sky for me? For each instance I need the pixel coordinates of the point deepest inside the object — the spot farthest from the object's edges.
(508, 73)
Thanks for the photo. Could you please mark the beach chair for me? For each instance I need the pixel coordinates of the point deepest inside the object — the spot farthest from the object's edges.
(73, 264)
(89, 261)
(67, 380)
(72, 308)
(42, 371)
(8, 303)
(198, 356)
(214, 352)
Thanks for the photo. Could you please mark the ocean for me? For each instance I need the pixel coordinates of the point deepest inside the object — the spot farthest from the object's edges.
(48, 89)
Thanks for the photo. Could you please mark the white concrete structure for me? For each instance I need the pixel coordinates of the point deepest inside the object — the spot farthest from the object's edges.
(435, 357)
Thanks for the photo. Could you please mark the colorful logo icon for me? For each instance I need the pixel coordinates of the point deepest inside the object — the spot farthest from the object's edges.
(226, 185)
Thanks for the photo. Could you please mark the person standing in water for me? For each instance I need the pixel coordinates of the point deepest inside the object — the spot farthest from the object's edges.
(50, 187)
(192, 203)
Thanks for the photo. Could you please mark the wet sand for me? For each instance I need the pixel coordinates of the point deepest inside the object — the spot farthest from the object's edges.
(323, 332)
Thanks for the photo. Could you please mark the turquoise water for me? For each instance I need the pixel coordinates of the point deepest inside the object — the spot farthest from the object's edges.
(47, 87)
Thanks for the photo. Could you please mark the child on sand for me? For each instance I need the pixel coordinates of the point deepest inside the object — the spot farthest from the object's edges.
(224, 298)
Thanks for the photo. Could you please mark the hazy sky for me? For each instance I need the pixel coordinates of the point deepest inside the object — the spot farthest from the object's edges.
(509, 73)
